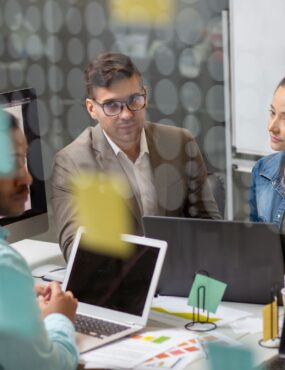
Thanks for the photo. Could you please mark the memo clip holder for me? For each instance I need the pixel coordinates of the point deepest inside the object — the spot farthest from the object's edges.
(200, 322)
(271, 338)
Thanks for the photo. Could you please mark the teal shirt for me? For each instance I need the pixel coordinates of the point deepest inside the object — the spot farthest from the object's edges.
(26, 341)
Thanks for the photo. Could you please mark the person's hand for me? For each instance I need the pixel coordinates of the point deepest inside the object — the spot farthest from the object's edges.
(59, 302)
(43, 290)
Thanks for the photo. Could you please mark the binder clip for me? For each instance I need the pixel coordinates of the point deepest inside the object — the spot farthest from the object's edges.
(271, 338)
(200, 322)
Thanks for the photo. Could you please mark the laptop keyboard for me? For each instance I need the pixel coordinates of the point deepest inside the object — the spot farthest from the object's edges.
(96, 327)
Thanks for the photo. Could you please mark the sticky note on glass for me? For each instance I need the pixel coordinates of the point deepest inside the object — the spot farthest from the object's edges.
(19, 313)
(142, 11)
(221, 356)
(7, 158)
(102, 210)
(270, 321)
(209, 291)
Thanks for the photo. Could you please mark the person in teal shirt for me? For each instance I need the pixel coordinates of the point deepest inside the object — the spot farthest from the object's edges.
(36, 323)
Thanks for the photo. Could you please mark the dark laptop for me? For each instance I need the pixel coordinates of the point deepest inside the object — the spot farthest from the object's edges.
(247, 256)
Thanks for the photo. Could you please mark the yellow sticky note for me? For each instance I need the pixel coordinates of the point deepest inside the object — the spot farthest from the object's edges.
(270, 321)
(102, 210)
(148, 338)
(142, 11)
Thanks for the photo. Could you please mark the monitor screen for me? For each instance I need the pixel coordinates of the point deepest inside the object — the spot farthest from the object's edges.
(23, 105)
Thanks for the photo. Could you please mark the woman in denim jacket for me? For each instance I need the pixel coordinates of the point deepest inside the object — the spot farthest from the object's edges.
(267, 192)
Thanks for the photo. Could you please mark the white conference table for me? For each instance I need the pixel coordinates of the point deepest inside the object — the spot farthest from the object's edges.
(38, 253)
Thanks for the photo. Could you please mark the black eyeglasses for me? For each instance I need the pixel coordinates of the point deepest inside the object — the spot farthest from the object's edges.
(134, 103)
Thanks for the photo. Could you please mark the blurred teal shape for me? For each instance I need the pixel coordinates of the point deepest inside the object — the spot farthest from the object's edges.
(19, 313)
(223, 357)
(7, 157)
(210, 295)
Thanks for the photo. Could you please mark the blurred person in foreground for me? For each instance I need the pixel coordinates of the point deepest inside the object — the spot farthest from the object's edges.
(162, 164)
(42, 335)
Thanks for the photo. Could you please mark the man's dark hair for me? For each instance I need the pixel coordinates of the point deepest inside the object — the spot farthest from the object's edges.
(106, 69)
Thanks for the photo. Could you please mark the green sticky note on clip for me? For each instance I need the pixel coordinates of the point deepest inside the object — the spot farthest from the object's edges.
(208, 291)
(221, 356)
(19, 313)
(7, 159)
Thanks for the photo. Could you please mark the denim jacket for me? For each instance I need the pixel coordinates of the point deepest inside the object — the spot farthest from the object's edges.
(267, 192)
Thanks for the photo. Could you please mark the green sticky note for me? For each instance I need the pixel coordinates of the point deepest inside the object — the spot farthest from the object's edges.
(19, 313)
(221, 356)
(214, 291)
(7, 158)
(161, 339)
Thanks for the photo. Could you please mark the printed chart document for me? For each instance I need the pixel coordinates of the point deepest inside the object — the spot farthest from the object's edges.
(130, 352)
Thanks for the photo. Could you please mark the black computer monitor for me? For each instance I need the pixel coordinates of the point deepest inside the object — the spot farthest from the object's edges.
(23, 105)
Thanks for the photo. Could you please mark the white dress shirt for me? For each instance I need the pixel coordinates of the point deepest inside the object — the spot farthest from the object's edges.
(139, 174)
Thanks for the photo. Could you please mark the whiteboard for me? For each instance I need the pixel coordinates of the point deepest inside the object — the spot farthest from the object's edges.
(257, 46)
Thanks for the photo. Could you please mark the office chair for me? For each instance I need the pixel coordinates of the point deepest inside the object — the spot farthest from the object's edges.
(217, 186)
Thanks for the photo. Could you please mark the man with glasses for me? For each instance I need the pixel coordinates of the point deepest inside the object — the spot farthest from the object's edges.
(162, 164)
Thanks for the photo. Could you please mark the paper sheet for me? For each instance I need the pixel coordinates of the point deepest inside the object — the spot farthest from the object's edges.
(178, 313)
(132, 351)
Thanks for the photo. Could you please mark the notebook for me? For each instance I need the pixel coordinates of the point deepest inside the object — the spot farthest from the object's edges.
(245, 255)
(114, 295)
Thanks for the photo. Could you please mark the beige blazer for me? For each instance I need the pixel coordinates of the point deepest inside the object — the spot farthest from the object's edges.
(179, 175)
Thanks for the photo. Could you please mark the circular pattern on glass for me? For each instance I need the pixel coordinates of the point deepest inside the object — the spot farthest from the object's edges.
(36, 78)
(165, 96)
(214, 147)
(2, 46)
(165, 34)
(75, 83)
(166, 121)
(95, 47)
(57, 126)
(16, 74)
(95, 18)
(3, 75)
(53, 49)
(12, 9)
(15, 45)
(44, 119)
(215, 32)
(190, 63)
(52, 16)
(218, 5)
(192, 124)
(55, 78)
(215, 103)
(216, 66)
(56, 105)
(34, 47)
(164, 60)
(191, 96)
(35, 163)
(190, 26)
(75, 51)
(33, 17)
(73, 21)
(77, 120)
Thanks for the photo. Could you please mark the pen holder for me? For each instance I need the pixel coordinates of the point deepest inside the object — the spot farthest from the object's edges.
(273, 340)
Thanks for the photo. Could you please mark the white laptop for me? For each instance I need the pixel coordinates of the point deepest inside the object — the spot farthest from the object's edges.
(114, 295)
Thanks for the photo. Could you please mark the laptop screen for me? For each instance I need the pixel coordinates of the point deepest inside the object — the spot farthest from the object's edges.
(113, 283)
